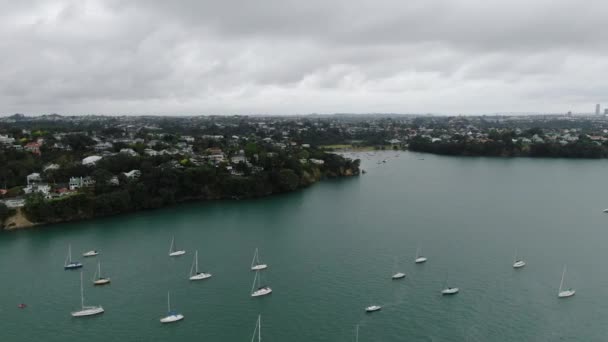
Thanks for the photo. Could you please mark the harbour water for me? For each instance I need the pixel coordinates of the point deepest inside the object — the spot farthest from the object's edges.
(331, 250)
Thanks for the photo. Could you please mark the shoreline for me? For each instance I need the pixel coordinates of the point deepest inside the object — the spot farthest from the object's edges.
(21, 221)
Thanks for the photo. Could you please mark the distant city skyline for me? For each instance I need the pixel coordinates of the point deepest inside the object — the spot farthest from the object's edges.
(281, 57)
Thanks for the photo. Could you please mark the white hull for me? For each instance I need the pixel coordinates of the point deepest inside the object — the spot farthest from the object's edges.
(398, 276)
(519, 264)
(261, 292)
(420, 260)
(72, 265)
(88, 311)
(605, 210)
(90, 254)
(177, 253)
(200, 276)
(102, 281)
(566, 293)
(259, 267)
(172, 318)
(450, 291)
(373, 308)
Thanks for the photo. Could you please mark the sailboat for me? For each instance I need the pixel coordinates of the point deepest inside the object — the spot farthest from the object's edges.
(69, 264)
(419, 258)
(517, 262)
(565, 293)
(98, 279)
(447, 290)
(172, 251)
(194, 273)
(258, 329)
(172, 316)
(397, 275)
(373, 308)
(261, 290)
(86, 310)
(256, 265)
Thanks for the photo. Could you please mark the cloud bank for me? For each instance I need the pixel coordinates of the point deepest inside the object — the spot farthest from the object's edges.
(294, 57)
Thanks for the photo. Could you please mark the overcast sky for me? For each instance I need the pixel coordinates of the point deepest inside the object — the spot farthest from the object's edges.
(296, 57)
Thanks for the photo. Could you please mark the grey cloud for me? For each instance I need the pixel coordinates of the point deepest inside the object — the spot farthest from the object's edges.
(285, 56)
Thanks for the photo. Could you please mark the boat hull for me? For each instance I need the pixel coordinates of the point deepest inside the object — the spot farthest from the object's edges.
(566, 294)
(90, 311)
(103, 281)
(201, 276)
(373, 308)
(90, 254)
(451, 291)
(420, 260)
(177, 253)
(262, 292)
(259, 267)
(72, 266)
(172, 318)
(519, 264)
(398, 276)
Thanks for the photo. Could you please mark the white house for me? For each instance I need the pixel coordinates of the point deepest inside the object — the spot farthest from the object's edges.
(90, 161)
(33, 178)
(133, 174)
(80, 182)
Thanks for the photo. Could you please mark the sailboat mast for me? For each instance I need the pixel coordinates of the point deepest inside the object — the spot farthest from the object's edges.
(70, 253)
(196, 261)
(254, 280)
(259, 328)
(255, 255)
(172, 242)
(168, 302)
(81, 292)
(561, 283)
(99, 269)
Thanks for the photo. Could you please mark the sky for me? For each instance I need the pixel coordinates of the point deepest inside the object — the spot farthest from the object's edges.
(201, 57)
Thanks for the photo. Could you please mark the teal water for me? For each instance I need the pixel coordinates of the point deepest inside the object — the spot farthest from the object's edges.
(331, 251)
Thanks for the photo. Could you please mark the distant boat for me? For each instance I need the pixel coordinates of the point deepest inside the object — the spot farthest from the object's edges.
(565, 293)
(261, 290)
(86, 310)
(419, 258)
(447, 290)
(256, 265)
(397, 275)
(194, 273)
(69, 263)
(518, 262)
(605, 210)
(258, 329)
(172, 251)
(98, 279)
(90, 253)
(172, 316)
(373, 308)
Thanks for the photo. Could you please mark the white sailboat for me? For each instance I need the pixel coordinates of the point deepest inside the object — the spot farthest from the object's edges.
(194, 273)
(98, 279)
(447, 290)
(258, 329)
(565, 293)
(86, 310)
(373, 308)
(518, 262)
(397, 275)
(172, 251)
(90, 253)
(69, 263)
(256, 265)
(419, 258)
(172, 316)
(261, 290)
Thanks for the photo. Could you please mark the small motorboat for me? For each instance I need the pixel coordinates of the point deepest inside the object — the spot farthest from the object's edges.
(373, 308)
(22, 306)
(91, 253)
(605, 210)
